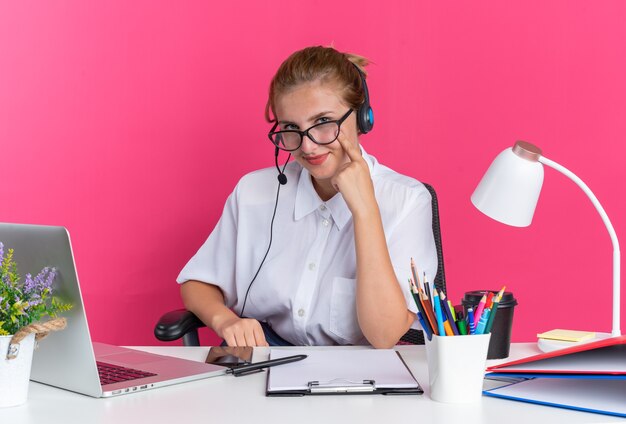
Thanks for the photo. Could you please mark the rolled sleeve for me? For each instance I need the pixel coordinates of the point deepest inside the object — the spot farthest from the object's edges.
(214, 262)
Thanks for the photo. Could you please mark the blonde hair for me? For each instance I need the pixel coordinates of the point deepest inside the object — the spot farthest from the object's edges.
(319, 64)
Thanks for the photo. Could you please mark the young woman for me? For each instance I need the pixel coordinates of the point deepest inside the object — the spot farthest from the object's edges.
(344, 230)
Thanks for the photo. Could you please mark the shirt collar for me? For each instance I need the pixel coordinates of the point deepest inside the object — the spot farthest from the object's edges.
(307, 199)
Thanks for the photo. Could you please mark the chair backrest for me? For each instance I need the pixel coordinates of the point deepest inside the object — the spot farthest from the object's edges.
(414, 336)
(440, 277)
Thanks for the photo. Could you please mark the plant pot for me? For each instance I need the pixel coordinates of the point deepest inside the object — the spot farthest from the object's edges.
(15, 373)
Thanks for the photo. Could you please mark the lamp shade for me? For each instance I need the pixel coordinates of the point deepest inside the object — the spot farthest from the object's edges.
(509, 190)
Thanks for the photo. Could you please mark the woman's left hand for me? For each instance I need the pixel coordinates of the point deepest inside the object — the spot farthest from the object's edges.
(353, 179)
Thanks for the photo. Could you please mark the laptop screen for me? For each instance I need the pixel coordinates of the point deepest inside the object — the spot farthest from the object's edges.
(65, 358)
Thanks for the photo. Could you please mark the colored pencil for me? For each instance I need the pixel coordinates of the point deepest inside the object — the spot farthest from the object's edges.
(448, 312)
(489, 299)
(494, 309)
(480, 328)
(438, 313)
(425, 326)
(418, 302)
(414, 272)
(452, 310)
(479, 309)
(430, 314)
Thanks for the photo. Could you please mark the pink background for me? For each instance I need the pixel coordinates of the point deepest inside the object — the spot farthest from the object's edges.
(131, 122)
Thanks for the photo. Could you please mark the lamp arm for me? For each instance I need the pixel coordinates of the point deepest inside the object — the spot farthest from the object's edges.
(616, 253)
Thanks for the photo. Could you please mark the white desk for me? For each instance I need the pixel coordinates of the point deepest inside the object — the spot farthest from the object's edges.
(234, 400)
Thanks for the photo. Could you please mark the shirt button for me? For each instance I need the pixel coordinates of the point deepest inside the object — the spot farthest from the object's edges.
(300, 312)
(323, 207)
(325, 222)
(311, 266)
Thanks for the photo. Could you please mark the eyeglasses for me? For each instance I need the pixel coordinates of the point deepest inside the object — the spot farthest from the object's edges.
(322, 134)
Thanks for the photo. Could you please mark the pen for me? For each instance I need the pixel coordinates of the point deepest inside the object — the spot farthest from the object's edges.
(257, 366)
(470, 321)
(427, 287)
(462, 324)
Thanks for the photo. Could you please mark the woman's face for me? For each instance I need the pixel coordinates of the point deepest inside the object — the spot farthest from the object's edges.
(305, 106)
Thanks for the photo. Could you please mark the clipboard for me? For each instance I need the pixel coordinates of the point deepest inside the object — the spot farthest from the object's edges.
(337, 371)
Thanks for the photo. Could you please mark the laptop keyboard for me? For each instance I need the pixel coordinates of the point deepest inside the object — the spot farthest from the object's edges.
(110, 373)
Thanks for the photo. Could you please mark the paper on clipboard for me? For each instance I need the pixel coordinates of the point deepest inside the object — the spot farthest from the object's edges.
(340, 366)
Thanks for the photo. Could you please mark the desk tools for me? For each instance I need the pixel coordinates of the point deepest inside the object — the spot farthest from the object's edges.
(456, 345)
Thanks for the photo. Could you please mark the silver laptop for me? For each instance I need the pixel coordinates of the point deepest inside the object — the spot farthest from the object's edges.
(68, 359)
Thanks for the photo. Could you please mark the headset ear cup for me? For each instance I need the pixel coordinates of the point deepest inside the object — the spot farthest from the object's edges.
(365, 114)
(365, 118)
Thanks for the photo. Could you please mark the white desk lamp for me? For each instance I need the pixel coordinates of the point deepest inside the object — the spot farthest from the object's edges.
(508, 193)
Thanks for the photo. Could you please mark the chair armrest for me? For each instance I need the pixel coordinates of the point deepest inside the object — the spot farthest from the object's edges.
(176, 324)
(412, 337)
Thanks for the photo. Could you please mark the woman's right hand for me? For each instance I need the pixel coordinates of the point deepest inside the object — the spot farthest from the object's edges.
(207, 302)
(241, 332)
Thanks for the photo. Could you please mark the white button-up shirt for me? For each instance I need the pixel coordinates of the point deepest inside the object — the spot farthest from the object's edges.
(306, 289)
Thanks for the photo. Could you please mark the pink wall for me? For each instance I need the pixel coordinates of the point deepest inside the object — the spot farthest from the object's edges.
(130, 122)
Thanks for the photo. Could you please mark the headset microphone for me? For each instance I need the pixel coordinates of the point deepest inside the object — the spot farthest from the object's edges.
(282, 178)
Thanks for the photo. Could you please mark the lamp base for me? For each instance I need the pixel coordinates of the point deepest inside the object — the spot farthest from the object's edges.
(548, 345)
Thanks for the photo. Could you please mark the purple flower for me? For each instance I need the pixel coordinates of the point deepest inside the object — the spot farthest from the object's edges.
(43, 281)
(29, 283)
(52, 272)
(1, 251)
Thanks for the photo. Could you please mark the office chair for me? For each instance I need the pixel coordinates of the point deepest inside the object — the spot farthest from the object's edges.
(182, 323)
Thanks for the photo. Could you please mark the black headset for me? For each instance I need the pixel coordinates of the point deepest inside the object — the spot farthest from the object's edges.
(365, 114)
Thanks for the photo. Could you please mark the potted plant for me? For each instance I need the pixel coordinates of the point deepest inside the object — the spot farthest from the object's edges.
(28, 311)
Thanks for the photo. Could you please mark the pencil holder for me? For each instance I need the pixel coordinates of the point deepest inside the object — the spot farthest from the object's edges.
(456, 367)
(503, 323)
